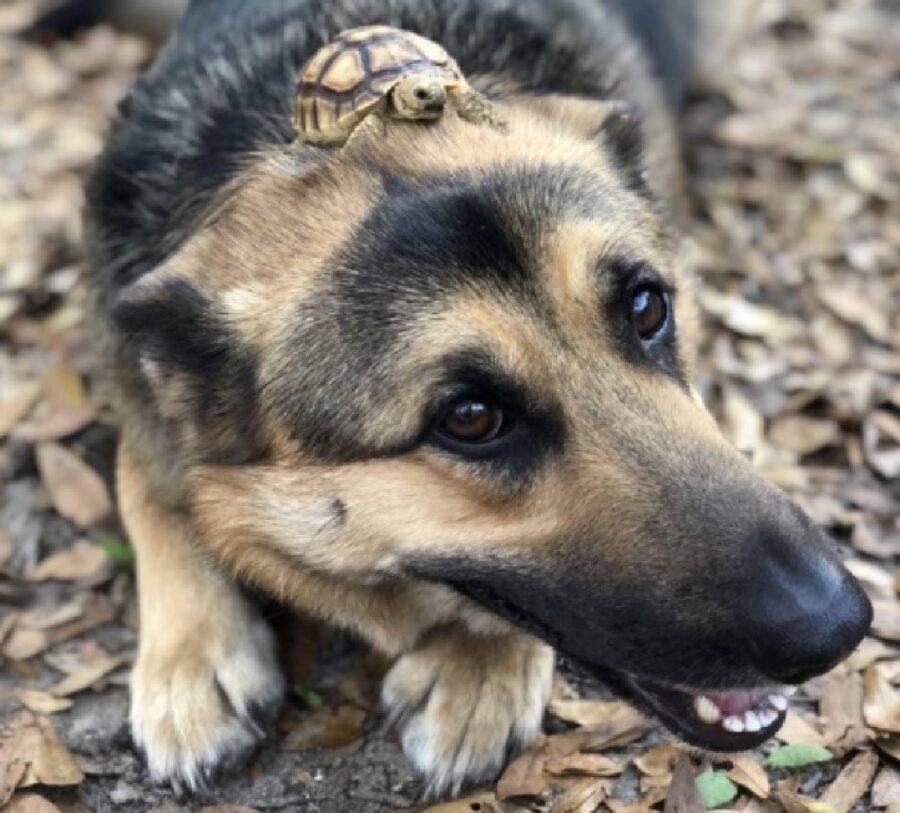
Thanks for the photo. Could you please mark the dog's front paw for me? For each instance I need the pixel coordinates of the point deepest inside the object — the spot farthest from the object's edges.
(200, 695)
(465, 703)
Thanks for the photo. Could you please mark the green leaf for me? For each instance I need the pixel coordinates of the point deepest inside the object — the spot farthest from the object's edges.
(120, 553)
(312, 699)
(796, 756)
(716, 789)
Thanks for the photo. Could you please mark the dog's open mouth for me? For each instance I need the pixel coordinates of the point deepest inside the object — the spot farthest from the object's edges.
(719, 720)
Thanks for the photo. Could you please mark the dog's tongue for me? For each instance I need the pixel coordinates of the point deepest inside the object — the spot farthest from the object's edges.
(736, 702)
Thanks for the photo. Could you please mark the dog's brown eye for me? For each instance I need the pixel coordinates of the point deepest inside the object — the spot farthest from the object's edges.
(472, 421)
(649, 312)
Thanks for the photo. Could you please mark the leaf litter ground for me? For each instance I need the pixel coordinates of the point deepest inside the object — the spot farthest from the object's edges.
(793, 190)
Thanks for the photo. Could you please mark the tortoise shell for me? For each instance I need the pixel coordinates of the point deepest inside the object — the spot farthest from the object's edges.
(351, 76)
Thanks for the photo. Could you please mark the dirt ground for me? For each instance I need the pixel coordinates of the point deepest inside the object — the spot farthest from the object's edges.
(793, 226)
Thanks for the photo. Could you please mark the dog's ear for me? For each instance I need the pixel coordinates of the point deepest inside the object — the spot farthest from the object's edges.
(614, 123)
(621, 134)
(199, 373)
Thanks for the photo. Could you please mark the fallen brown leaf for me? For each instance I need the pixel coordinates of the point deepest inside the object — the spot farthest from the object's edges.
(19, 740)
(869, 651)
(30, 803)
(877, 582)
(78, 493)
(841, 708)
(87, 676)
(524, 776)
(658, 761)
(64, 387)
(748, 773)
(16, 404)
(583, 765)
(41, 702)
(607, 723)
(886, 787)
(797, 731)
(803, 435)
(82, 561)
(683, 796)
(53, 423)
(886, 624)
(326, 728)
(852, 782)
(881, 705)
(25, 642)
(51, 764)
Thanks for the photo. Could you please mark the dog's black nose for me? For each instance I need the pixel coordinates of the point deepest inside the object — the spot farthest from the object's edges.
(804, 612)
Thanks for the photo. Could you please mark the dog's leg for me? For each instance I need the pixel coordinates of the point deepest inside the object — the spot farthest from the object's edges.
(465, 702)
(207, 671)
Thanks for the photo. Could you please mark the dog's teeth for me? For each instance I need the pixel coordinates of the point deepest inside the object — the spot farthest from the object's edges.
(751, 721)
(779, 701)
(789, 691)
(733, 724)
(706, 710)
(768, 716)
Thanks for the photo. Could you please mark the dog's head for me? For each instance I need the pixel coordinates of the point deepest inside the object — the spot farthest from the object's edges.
(461, 357)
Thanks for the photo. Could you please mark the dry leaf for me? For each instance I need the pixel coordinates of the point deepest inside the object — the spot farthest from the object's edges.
(683, 796)
(19, 740)
(76, 490)
(852, 782)
(748, 773)
(51, 764)
(658, 761)
(886, 787)
(30, 803)
(803, 435)
(585, 796)
(326, 728)
(886, 623)
(83, 561)
(54, 424)
(797, 731)
(88, 675)
(841, 707)
(881, 706)
(41, 702)
(25, 642)
(608, 722)
(877, 582)
(64, 387)
(583, 765)
(798, 803)
(524, 776)
(17, 404)
(869, 651)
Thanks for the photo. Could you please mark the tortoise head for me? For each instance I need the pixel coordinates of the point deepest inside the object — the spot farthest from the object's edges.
(420, 96)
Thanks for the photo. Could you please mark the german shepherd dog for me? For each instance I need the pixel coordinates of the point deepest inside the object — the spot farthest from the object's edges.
(435, 387)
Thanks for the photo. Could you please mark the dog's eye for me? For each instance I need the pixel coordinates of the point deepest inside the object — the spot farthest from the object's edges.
(649, 311)
(472, 421)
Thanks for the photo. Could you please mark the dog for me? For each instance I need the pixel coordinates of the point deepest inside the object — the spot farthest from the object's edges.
(434, 387)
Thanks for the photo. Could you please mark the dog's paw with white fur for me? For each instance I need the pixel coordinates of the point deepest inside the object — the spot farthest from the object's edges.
(201, 695)
(465, 703)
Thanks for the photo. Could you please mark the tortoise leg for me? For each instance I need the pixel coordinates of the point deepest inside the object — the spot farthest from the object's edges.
(373, 126)
(476, 108)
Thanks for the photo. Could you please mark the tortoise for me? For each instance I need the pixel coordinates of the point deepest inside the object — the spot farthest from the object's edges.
(383, 71)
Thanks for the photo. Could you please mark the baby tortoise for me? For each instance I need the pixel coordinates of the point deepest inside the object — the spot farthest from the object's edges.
(383, 71)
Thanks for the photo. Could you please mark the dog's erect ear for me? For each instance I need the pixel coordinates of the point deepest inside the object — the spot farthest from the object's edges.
(200, 373)
(615, 123)
(621, 133)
